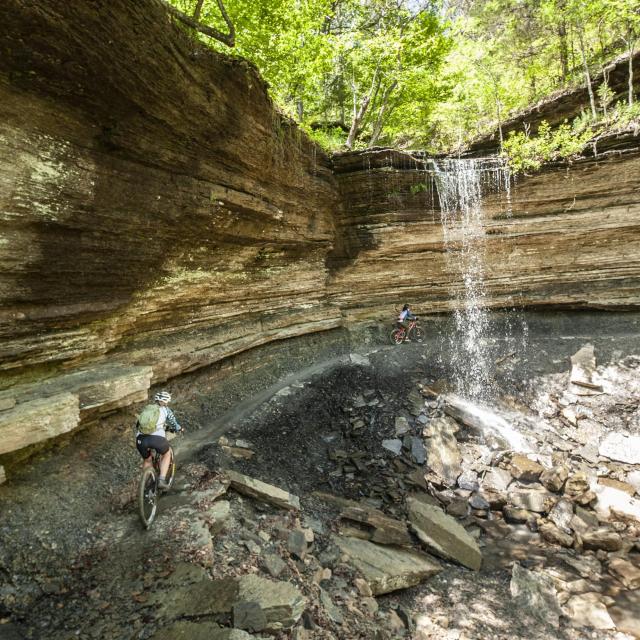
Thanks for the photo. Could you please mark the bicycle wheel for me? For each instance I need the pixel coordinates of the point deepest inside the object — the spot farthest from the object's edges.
(148, 496)
(171, 474)
(397, 336)
(418, 334)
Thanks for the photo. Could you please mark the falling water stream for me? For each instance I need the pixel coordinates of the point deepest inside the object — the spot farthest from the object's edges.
(461, 185)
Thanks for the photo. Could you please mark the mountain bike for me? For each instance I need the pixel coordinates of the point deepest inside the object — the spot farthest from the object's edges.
(413, 332)
(148, 491)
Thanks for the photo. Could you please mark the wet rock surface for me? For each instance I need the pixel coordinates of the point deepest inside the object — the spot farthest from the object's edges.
(222, 562)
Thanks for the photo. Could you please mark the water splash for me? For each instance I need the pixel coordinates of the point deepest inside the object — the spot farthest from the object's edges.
(461, 185)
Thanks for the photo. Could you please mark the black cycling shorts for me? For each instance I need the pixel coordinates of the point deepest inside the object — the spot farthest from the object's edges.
(145, 443)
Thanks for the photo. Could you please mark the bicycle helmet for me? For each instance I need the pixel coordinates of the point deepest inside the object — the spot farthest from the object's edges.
(162, 396)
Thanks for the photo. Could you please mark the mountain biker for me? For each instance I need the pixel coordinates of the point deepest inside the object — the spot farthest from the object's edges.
(404, 316)
(154, 436)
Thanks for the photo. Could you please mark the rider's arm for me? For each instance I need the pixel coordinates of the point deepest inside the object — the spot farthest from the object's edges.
(173, 423)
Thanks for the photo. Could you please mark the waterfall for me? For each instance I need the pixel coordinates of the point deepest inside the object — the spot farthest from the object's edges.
(461, 185)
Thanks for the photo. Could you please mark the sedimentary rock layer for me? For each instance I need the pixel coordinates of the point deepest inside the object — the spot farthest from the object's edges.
(568, 236)
(148, 187)
(157, 215)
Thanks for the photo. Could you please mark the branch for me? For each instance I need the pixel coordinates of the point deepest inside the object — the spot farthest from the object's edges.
(226, 38)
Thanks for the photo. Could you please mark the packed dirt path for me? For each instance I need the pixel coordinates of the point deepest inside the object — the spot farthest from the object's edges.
(75, 562)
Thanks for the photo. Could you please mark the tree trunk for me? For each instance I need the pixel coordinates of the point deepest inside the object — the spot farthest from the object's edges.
(359, 114)
(377, 127)
(357, 119)
(192, 21)
(587, 75)
(564, 51)
(631, 43)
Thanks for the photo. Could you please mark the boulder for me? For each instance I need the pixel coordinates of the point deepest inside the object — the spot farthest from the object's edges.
(524, 469)
(583, 520)
(583, 369)
(443, 454)
(281, 602)
(535, 593)
(379, 527)
(602, 539)
(554, 479)
(617, 484)
(394, 445)
(496, 480)
(518, 516)
(202, 630)
(535, 499)
(626, 572)
(3, 475)
(624, 612)
(621, 447)
(561, 514)
(554, 535)
(263, 491)
(576, 484)
(249, 615)
(387, 568)
(442, 534)
(401, 426)
(587, 610)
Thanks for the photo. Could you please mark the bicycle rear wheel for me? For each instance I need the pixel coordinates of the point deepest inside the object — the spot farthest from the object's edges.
(148, 496)
(397, 336)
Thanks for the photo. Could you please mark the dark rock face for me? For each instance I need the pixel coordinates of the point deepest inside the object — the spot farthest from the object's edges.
(148, 184)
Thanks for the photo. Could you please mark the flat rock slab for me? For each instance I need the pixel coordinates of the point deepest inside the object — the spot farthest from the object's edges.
(443, 456)
(38, 420)
(281, 602)
(536, 499)
(626, 572)
(442, 534)
(185, 630)
(583, 368)
(586, 610)
(387, 568)
(536, 594)
(380, 527)
(263, 491)
(621, 447)
(394, 445)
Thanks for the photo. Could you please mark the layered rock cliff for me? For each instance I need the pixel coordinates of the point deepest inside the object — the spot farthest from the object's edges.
(158, 215)
(568, 236)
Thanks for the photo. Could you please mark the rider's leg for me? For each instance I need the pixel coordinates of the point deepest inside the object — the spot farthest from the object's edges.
(147, 462)
(165, 463)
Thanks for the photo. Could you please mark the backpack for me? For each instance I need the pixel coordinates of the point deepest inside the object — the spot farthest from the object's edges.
(148, 419)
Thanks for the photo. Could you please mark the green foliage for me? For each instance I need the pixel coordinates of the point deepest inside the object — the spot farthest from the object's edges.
(331, 139)
(426, 73)
(529, 152)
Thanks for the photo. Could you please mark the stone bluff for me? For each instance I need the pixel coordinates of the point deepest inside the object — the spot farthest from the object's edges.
(158, 215)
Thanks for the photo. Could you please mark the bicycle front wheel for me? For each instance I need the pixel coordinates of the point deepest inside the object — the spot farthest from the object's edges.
(397, 336)
(171, 474)
(148, 496)
(418, 334)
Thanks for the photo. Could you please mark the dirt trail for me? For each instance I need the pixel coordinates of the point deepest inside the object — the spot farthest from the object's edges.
(74, 562)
